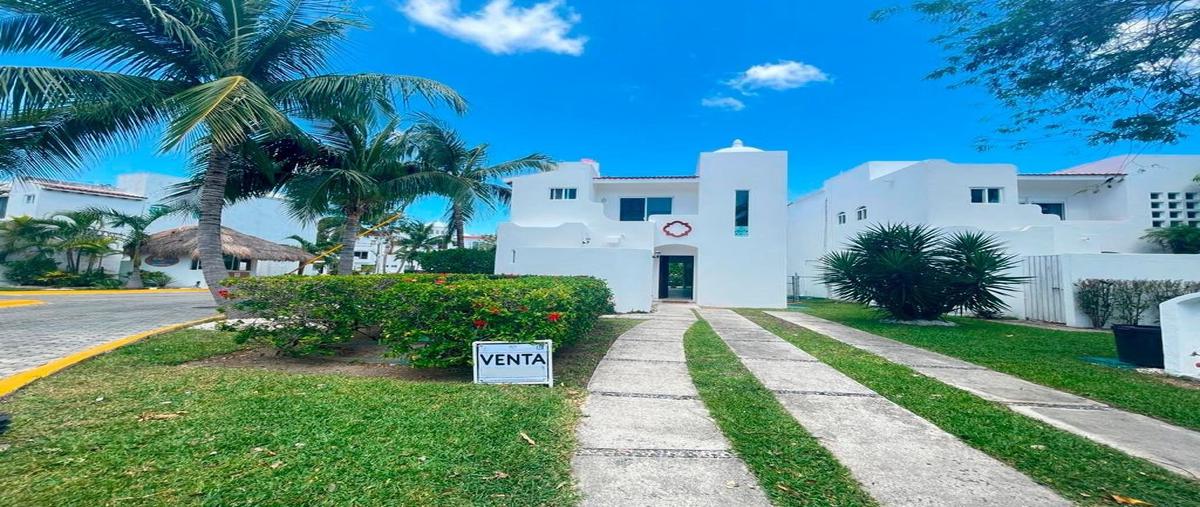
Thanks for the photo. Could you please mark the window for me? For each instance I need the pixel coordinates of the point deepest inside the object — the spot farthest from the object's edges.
(860, 213)
(1053, 208)
(741, 213)
(985, 195)
(842, 218)
(1178, 205)
(29, 198)
(562, 194)
(360, 255)
(231, 263)
(638, 209)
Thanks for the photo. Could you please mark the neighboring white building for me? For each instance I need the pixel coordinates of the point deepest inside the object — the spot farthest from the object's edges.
(718, 238)
(1100, 207)
(135, 193)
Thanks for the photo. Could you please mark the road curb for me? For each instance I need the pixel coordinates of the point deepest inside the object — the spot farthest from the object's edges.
(13, 303)
(13, 382)
(98, 291)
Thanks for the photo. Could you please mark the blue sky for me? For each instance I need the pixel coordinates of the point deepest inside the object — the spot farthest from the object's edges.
(644, 86)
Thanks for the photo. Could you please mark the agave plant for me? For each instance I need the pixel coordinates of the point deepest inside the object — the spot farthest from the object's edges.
(917, 272)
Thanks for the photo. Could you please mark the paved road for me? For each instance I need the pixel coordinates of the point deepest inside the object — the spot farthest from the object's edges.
(33, 335)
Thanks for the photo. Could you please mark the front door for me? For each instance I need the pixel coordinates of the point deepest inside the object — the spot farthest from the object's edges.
(675, 276)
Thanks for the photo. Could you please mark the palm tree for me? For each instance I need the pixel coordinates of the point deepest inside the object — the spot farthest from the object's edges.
(360, 170)
(78, 233)
(314, 248)
(471, 180)
(217, 73)
(416, 237)
(136, 235)
(21, 234)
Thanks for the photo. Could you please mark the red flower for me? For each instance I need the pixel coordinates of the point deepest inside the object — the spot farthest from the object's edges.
(480, 323)
(554, 316)
(224, 293)
(440, 281)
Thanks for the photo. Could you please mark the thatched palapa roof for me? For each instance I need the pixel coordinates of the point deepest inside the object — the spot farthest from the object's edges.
(181, 242)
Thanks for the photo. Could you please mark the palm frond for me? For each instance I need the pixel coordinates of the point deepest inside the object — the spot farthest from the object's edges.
(229, 110)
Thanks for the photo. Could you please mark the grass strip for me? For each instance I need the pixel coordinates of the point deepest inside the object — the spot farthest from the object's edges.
(1042, 356)
(792, 467)
(1079, 469)
(138, 426)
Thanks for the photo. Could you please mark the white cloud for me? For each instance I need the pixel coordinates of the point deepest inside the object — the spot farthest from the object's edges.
(782, 75)
(726, 103)
(501, 28)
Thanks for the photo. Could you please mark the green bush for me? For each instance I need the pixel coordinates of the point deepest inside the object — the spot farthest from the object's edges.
(917, 272)
(458, 260)
(27, 271)
(1177, 239)
(155, 279)
(96, 278)
(429, 319)
(1126, 301)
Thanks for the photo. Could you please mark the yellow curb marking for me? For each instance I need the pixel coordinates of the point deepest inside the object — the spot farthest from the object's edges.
(18, 380)
(9, 303)
(99, 291)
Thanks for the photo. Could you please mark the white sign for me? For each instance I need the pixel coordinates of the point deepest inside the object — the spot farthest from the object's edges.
(514, 363)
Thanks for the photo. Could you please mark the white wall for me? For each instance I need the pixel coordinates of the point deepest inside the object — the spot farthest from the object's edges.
(1181, 341)
(1077, 267)
(626, 271)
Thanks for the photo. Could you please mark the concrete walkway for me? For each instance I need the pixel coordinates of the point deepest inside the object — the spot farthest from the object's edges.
(1174, 448)
(646, 438)
(898, 457)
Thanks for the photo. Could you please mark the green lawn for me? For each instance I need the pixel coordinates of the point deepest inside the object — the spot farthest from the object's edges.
(1079, 469)
(1044, 356)
(136, 427)
(792, 467)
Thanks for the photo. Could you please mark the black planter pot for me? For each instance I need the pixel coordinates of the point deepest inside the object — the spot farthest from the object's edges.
(1140, 345)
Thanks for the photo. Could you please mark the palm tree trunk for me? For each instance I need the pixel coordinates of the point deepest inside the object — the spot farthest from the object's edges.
(135, 270)
(349, 236)
(456, 221)
(388, 252)
(300, 270)
(208, 230)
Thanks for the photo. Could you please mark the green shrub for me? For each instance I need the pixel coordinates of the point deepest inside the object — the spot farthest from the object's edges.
(1126, 301)
(1177, 239)
(458, 260)
(27, 271)
(96, 278)
(917, 272)
(430, 319)
(155, 279)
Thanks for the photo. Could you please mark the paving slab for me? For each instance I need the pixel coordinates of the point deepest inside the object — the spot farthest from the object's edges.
(777, 349)
(644, 350)
(646, 438)
(1174, 448)
(715, 482)
(897, 456)
(642, 377)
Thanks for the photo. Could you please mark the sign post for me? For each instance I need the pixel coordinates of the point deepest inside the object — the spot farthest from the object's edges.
(514, 362)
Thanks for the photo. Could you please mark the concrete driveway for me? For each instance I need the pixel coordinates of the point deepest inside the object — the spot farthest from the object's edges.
(34, 335)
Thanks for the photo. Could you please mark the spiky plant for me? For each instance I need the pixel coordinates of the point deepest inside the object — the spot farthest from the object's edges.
(213, 74)
(132, 227)
(916, 272)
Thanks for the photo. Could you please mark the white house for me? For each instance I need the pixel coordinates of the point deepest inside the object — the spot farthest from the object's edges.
(1066, 225)
(718, 237)
(135, 193)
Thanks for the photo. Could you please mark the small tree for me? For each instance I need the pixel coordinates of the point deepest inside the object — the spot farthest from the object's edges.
(1177, 239)
(1095, 298)
(915, 272)
(416, 237)
(136, 235)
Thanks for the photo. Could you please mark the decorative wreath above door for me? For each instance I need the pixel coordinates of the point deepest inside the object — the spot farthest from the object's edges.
(677, 229)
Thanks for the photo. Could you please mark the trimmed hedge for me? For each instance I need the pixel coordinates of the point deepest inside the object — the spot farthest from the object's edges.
(429, 319)
(458, 260)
